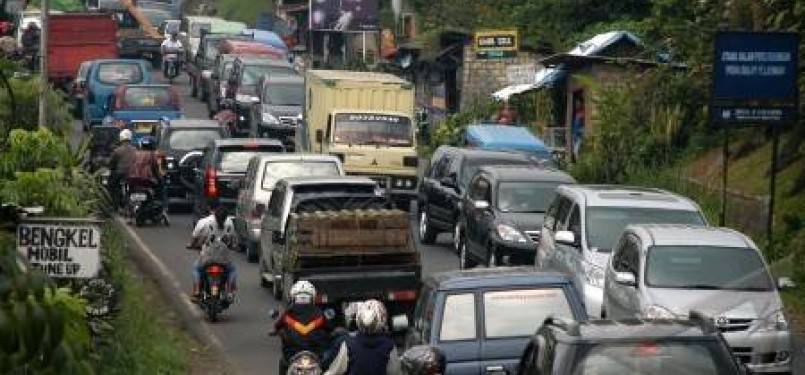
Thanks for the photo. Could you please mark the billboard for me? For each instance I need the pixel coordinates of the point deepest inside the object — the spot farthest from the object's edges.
(344, 15)
(755, 78)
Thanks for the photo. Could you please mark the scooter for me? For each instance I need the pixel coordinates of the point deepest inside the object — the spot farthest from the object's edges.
(143, 206)
(172, 65)
(286, 361)
(214, 299)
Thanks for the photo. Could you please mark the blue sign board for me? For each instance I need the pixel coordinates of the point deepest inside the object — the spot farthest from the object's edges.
(755, 78)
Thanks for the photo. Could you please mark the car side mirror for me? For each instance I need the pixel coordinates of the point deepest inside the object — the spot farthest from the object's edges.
(273, 314)
(399, 323)
(785, 283)
(255, 100)
(480, 205)
(183, 34)
(319, 136)
(565, 237)
(206, 74)
(625, 278)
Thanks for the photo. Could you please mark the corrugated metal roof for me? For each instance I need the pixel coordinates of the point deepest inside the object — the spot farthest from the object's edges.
(600, 42)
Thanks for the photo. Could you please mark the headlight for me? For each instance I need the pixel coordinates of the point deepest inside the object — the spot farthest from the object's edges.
(659, 312)
(269, 119)
(507, 233)
(594, 275)
(171, 165)
(773, 322)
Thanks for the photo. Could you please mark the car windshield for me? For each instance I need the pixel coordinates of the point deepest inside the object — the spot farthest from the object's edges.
(525, 196)
(236, 160)
(277, 170)
(291, 95)
(119, 73)
(148, 97)
(703, 267)
(605, 224)
(518, 313)
(252, 74)
(655, 358)
(191, 139)
(373, 129)
(471, 166)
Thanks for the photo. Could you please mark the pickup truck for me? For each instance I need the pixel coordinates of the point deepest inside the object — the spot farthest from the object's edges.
(75, 38)
(338, 233)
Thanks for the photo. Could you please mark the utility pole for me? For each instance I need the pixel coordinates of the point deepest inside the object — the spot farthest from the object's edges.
(43, 65)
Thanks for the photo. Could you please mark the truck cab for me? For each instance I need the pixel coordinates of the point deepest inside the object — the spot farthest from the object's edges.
(367, 120)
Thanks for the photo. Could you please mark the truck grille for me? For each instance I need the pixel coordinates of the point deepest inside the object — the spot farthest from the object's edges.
(533, 235)
(287, 121)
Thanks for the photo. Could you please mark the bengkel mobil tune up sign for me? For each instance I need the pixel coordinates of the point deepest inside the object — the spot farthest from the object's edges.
(61, 250)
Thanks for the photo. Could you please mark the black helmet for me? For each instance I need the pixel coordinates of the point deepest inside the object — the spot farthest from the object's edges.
(148, 143)
(423, 360)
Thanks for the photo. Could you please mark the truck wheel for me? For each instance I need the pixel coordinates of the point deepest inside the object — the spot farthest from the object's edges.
(193, 87)
(426, 233)
(276, 288)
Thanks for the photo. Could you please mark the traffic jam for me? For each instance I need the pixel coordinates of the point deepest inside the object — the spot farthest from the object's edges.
(316, 180)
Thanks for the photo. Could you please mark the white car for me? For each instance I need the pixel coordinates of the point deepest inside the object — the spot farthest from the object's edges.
(662, 271)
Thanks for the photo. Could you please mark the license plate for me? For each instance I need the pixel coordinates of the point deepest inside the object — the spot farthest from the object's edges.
(138, 197)
(214, 290)
(144, 127)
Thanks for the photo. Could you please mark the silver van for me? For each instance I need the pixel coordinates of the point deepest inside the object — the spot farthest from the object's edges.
(262, 174)
(584, 221)
(662, 271)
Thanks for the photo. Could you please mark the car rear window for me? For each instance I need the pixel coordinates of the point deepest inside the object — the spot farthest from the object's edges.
(192, 139)
(236, 159)
(655, 358)
(458, 319)
(519, 312)
(277, 170)
(120, 73)
(471, 166)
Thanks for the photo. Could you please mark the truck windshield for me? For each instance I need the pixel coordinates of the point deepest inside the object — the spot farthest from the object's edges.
(373, 129)
(285, 94)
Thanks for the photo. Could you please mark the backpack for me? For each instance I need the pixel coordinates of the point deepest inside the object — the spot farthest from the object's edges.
(142, 167)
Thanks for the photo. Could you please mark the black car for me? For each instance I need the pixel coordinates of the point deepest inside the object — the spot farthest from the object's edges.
(502, 213)
(242, 87)
(180, 141)
(657, 347)
(222, 168)
(445, 181)
(204, 59)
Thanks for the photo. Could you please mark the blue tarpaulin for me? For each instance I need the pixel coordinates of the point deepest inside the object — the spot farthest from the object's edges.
(267, 37)
(505, 137)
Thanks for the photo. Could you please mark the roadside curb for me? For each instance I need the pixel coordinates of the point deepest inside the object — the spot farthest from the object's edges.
(190, 316)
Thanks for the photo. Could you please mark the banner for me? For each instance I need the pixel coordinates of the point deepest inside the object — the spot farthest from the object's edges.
(344, 15)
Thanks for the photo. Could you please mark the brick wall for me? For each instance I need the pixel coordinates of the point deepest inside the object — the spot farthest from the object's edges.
(480, 78)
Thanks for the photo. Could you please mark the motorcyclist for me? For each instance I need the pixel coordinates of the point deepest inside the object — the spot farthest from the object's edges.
(147, 170)
(170, 48)
(119, 164)
(423, 360)
(302, 326)
(371, 351)
(214, 234)
(30, 39)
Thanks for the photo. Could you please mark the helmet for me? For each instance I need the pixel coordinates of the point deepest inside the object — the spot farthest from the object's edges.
(33, 25)
(304, 363)
(125, 135)
(423, 360)
(303, 292)
(147, 143)
(371, 317)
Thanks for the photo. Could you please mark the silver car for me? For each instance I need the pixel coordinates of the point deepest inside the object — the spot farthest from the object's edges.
(666, 271)
(261, 175)
(584, 221)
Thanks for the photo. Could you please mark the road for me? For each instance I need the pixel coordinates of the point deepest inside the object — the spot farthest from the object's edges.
(243, 329)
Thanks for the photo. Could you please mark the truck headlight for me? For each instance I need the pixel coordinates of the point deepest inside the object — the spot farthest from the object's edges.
(594, 275)
(773, 322)
(510, 234)
(269, 119)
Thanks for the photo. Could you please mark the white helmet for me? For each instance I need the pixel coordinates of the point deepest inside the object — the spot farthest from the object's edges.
(371, 317)
(303, 292)
(125, 135)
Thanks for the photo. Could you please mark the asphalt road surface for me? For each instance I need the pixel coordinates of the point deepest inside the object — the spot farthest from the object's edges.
(243, 328)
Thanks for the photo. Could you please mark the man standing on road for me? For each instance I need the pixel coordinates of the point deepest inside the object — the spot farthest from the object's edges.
(119, 164)
(371, 351)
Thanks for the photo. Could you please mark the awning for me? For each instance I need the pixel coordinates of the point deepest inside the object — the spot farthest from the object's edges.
(544, 77)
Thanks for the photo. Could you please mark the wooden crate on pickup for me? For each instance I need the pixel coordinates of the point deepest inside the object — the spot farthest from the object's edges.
(349, 231)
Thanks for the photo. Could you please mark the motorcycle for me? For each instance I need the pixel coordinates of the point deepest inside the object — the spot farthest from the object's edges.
(171, 61)
(336, 337)
(304, 363)
(143, 206)
(214, 291)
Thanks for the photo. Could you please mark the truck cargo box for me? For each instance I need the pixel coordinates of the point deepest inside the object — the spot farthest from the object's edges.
(78, 37)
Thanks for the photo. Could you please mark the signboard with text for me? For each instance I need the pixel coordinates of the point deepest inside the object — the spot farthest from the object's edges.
(755, 78)
(345, 15)
(61, 250)
(496, 44)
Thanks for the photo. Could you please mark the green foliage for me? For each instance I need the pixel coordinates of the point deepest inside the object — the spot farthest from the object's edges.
(26, 104)
(449, 131)
(42, 329)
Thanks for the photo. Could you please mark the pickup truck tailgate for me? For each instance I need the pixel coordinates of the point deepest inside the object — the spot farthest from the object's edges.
(360, 283)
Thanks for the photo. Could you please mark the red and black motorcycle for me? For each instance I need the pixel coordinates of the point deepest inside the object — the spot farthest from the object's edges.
(214, 290)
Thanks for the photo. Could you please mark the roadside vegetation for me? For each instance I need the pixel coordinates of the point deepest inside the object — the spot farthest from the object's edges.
(100, 326)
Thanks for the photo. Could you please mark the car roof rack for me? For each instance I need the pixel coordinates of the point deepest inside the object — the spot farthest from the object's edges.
(705, 321)
(570, 326)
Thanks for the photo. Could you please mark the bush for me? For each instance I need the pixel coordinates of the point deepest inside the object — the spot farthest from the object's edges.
(449, 131)
(25, 114)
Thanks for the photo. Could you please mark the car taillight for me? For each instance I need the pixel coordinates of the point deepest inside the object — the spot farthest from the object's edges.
(402, 295)
(215, 270)
(120, 123)
(321, 299)
(210, 181)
